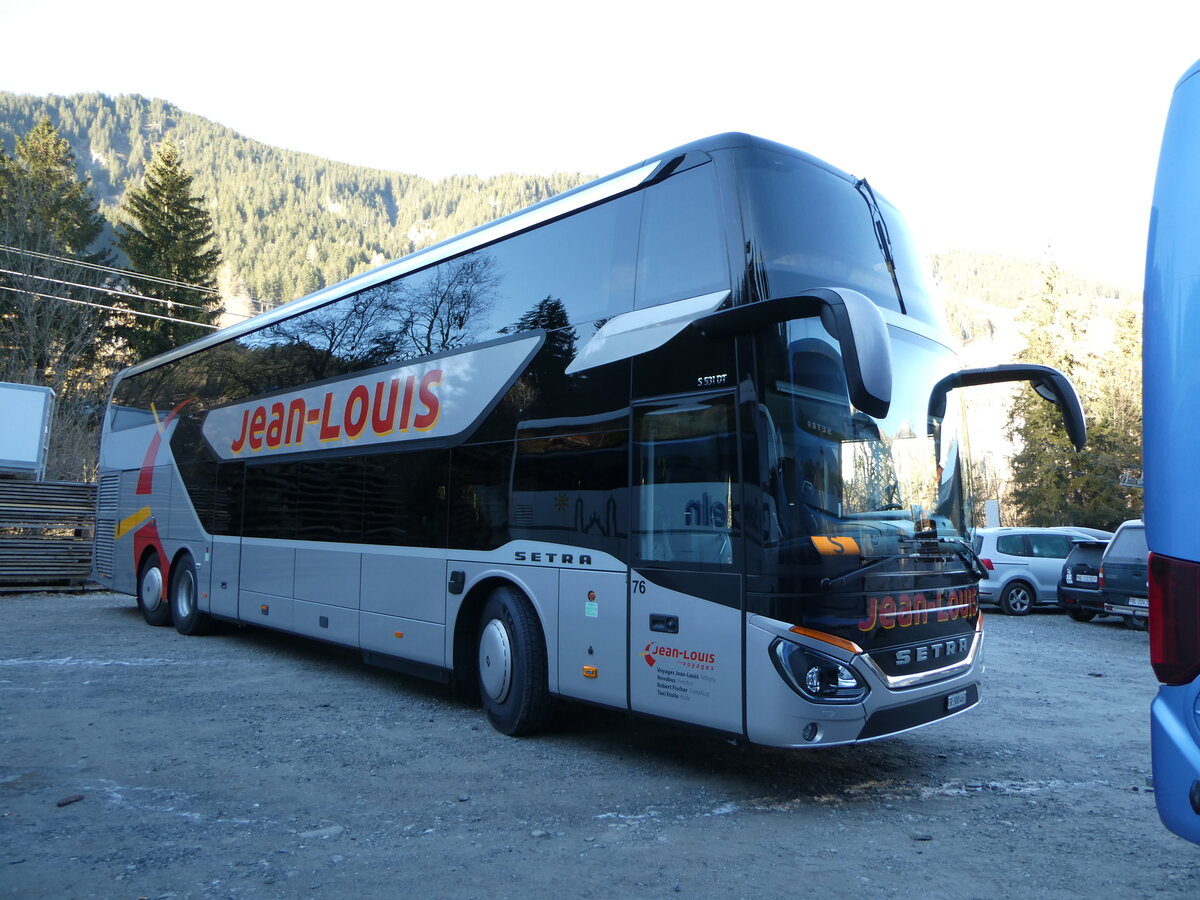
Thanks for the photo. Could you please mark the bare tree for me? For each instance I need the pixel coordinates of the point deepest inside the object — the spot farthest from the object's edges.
(447, 307)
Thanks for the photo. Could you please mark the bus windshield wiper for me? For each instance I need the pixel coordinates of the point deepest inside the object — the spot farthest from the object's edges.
(959, 548)
(881, 235)
(829, 584)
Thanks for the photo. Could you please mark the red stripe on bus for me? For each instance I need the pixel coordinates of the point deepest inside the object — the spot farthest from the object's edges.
(146, 476)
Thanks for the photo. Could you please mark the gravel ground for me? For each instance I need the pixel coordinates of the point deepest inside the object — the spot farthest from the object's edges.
(135, 762)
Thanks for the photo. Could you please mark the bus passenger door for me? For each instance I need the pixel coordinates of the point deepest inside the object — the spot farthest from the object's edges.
(685, 619)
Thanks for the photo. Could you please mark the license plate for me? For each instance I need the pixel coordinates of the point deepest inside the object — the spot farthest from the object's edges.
(1139, 602)
(956, 700)
(1086, 579)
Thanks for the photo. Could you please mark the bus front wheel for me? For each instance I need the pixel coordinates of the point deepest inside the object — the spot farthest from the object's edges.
(512, 664)
(150, 599)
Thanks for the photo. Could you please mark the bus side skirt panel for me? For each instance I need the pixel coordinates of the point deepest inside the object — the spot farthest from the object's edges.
(408, 639)
(403, 606)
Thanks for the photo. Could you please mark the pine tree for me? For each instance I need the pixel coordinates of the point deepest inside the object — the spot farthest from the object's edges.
(52, 329)
(169, 234)
(1042, 467)
(1051, 483)
(47, 217)
(545, 381)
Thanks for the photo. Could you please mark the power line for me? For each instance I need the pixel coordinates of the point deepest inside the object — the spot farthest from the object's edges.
(119, 309)
(113, 291)
(125, 272)
(103, 290)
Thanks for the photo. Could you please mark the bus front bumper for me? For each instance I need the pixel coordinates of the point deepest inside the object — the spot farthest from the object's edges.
(778, 716)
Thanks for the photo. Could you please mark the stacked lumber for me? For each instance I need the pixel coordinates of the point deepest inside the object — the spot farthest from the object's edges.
(46, 531)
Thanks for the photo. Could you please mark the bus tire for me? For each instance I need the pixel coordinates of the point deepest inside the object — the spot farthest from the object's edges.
(1017, 599)
(150, 599)
(512, 664)
(185, 599)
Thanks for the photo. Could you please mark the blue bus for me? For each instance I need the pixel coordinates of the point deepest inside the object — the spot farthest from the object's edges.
(1171, 387)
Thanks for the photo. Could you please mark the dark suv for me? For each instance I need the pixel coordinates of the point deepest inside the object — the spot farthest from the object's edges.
(1124, 588)
(1079, 583)
(1108, 581)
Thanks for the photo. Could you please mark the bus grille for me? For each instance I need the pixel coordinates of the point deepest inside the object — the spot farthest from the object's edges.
(107, 500)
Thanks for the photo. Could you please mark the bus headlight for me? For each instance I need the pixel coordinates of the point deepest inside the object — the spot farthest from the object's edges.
(815, 676)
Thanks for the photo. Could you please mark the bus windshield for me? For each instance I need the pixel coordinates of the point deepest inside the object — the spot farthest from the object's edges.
(830, 470)
(810, 227)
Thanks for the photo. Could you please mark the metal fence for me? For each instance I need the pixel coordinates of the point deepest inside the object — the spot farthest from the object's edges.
(46, 531)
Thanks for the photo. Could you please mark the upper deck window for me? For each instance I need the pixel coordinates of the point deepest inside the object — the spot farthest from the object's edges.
(808, 227)
(681, 252)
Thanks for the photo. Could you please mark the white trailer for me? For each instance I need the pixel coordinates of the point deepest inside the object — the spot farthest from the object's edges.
(26, 412)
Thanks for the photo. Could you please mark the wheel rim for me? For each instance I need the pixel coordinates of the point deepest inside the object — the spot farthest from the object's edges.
(1018, 600)
(152, 584)
(495, 660)
(185, 595)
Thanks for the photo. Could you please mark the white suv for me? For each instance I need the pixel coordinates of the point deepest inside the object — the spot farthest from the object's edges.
(1024, 564)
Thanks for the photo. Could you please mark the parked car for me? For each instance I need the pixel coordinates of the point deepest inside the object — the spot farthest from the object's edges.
(1079, 585)
(1124, 571)
(1024, 565)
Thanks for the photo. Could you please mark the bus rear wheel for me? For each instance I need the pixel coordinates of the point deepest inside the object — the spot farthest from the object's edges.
(150, 599)
(512, 664)
(185, 596)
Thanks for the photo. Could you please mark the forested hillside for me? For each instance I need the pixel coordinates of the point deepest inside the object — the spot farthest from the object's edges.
(287, 223)
(983, 290)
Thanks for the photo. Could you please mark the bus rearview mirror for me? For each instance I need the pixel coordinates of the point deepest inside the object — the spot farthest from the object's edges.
(1049, 383)
(852, 318)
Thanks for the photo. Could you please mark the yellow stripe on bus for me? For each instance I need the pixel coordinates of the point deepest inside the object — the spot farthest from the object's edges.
(129, 523)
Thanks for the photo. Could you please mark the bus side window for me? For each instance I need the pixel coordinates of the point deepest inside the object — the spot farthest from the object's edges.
(271, 506)
(478, 503)
(681, 252)
(406, 498)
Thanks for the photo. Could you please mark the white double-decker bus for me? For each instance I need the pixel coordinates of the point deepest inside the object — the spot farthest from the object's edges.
(676, 442)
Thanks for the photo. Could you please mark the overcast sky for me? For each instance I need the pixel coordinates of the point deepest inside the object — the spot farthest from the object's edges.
(1018, 127)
